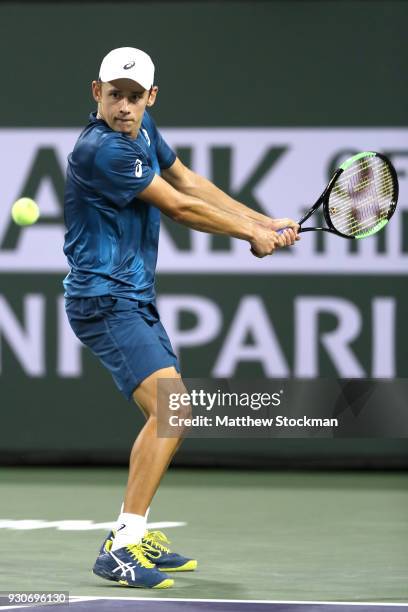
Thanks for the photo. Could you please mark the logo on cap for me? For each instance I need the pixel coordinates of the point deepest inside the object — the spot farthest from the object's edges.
(128, 65)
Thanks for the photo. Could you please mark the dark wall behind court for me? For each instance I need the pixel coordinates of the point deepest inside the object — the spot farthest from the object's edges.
(278, 64)
(282, 63)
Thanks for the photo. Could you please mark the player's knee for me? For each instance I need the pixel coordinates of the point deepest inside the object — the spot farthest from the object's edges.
(174, 407)
(185, 412)
(179, 423)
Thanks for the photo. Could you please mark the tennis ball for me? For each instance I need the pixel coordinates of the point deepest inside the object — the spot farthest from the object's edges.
(25, 211)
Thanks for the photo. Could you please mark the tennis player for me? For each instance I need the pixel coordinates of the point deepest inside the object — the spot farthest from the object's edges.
(121, 175)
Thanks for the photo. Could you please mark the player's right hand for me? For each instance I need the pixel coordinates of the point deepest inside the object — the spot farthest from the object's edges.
(289, 236)
(278, 224)
(291, 229)
(267, 240)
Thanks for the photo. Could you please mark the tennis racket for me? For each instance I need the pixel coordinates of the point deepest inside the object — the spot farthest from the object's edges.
(360, 198)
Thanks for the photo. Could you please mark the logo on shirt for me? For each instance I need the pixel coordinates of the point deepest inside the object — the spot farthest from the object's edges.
(146, 135)
(128, 65)
(138, 168)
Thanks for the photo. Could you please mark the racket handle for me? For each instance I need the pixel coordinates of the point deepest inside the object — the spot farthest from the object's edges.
(280, 231)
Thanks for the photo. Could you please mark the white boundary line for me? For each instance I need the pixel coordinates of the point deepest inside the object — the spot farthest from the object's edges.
(246, 601)
(19, 606)
(75, 525)
(82, 598)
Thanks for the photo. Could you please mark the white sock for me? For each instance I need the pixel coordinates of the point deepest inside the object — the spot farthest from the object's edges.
(119, 522)
(130, 530)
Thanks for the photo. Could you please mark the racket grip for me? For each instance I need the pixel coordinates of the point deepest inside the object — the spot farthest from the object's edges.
(280, 231)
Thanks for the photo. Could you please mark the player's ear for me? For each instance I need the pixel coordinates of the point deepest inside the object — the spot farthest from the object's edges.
(152, 95)
(97, 90)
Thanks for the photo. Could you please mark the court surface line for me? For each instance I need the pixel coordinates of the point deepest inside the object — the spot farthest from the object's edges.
(84, 598)
(246, 601)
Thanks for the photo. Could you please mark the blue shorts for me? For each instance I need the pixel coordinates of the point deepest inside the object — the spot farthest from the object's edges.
(126, 335)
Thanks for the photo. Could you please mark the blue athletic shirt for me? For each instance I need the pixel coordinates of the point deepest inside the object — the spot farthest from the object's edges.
(112, 236)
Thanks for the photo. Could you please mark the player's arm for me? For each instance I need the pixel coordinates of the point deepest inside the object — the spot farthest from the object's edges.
(120, 173)
(200, 215)
(190, 183)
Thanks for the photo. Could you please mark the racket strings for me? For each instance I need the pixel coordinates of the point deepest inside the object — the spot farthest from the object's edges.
(374, 170)
(349, 225)
(362, 197)
(385, 191)
(371, 222)
(361, 216)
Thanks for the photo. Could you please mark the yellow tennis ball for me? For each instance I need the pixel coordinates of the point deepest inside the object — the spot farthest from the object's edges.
(25, 211)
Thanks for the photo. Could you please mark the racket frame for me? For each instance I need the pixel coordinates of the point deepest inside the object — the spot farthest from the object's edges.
(324, 200)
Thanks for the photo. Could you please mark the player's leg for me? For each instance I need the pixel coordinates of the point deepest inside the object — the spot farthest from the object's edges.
(149, 460)
(150, 454)
(128, 339)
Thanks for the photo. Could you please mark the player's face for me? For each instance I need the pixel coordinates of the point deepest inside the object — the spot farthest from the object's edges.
(121, 103)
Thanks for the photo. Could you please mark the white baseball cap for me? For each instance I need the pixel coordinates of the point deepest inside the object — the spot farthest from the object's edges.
(128, 63)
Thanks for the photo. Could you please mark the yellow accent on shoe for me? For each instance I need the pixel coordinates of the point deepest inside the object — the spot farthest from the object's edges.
(108, 545)
(123, 582)
(165, 584)
(154, 553)
(136, 551)
(190, 566)
(155, 543)
(157, 539)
